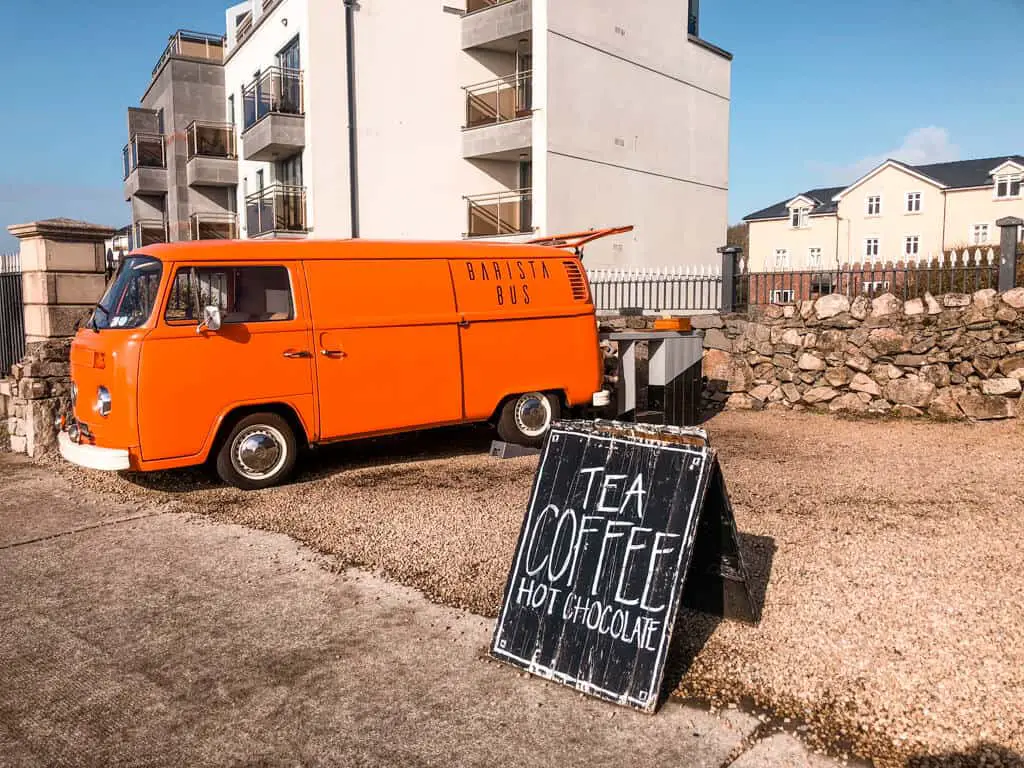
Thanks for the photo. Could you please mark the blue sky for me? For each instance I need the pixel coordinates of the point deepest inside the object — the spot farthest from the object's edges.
(821, 92)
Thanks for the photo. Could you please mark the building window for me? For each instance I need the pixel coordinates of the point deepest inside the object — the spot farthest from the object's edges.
(781, 258)
(979, 234)
(911, 245)
(875, 205)
(798, 217)
(871, 248)
(782, 296)
(913, 202)
(814, 258)
(1009, 186)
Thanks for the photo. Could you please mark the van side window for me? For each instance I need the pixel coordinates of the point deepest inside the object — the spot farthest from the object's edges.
(243, 294)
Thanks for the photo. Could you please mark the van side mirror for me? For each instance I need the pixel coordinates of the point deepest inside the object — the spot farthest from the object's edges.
(211, 319)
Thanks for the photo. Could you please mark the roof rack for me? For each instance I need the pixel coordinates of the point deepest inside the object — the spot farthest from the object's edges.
(576, 240)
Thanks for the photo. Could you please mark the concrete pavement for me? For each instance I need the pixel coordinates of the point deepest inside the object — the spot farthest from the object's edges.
(136, 636)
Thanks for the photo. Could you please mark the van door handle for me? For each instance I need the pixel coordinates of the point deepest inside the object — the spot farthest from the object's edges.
(294, 353)
(332, 353)
(463, 323)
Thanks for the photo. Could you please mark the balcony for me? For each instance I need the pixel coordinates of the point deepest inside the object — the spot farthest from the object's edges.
(277, 210)
(212, 154)
(500, 214)
(273, 125)
(148, 232)
(496, 24)
(213, 226)
(192, 45)
(498, 117)
(144, 163)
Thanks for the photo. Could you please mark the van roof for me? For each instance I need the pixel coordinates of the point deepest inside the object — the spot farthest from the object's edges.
(272, 250)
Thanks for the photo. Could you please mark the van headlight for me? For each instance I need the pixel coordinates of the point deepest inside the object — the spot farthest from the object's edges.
(102, 406)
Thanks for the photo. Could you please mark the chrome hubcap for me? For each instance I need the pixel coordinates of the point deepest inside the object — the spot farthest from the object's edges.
(533, 414)
(259, 452)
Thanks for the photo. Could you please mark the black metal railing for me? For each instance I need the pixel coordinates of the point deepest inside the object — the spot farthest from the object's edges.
(213, 226)
(12, 317)
(963, 271)
(278, 208)
(657, 289)
(144, 150)
(209, 139)
(276, 90)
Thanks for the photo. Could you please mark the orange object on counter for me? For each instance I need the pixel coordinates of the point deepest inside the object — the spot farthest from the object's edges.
(672, 324)
(242, 352)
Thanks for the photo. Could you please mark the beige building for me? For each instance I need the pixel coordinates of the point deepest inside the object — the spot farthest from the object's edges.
(897, 212)
(496, 119)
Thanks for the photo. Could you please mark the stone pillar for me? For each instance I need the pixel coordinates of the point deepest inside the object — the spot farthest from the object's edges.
(62, 263)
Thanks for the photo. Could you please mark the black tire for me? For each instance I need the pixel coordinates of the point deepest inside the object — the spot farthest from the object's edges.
(513, 429)
(268, 469)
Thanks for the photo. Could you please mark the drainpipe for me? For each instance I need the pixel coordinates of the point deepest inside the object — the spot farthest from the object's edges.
(353, 158)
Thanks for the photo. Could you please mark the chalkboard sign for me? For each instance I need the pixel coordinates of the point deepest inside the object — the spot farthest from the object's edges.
(616, 514)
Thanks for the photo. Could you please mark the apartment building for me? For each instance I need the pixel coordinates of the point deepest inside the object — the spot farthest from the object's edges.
(180, 165)
(896, 212)
(476, 118)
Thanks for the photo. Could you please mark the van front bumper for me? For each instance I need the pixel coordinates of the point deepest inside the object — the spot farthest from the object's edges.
(92, 456)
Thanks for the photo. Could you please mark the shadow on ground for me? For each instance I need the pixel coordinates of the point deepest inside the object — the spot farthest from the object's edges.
(326, 460)
(693, 628)
(983, 754)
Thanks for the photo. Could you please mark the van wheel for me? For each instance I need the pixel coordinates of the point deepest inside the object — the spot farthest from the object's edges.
(526, 419)
(259, 452)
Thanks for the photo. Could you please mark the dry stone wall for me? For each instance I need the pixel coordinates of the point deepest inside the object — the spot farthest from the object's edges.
(951, 357)
(38, 391)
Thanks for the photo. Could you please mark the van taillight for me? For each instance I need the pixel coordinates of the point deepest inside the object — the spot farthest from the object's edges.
(577, 281)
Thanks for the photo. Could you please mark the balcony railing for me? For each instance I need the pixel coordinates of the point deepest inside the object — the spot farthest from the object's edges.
(276, 90)
(278, 208)
(206, 139)
(244, 28)
(213, 226)
(478, 5)
(495, 101)
(148, 232)
(500, 213)
(193, 45)
(145, 150)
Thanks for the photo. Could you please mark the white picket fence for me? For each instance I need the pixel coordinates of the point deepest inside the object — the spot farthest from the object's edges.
(656, 289)
(10, 262)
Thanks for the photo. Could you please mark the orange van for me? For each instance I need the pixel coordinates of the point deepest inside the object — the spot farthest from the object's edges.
(243, 352)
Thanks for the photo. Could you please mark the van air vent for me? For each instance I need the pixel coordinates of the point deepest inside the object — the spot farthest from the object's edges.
(577, 281)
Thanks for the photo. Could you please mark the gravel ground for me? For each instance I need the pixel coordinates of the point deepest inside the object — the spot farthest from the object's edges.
(888, 555)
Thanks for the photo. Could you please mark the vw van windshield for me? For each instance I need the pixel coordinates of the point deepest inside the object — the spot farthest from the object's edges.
(129, 299)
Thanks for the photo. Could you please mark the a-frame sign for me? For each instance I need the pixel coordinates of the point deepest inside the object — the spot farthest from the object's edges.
(625, 522)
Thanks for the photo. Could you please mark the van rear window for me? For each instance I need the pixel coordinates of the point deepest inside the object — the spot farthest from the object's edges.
(243, 294)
